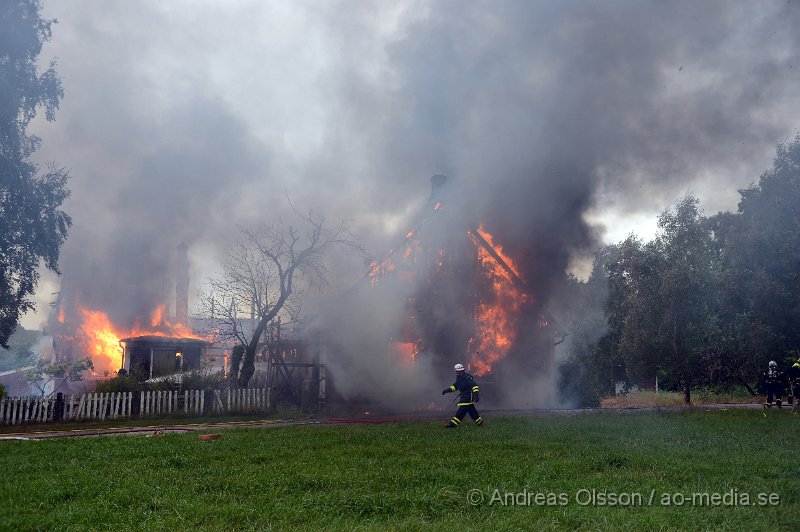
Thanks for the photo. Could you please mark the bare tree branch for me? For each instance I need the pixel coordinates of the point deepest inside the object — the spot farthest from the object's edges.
(269, 271)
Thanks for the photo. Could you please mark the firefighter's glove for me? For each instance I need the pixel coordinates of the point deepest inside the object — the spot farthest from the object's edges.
(446, 390)
(477, 397)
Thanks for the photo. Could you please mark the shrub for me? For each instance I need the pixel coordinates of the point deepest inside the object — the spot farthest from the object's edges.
(191, 380)
(120, 383)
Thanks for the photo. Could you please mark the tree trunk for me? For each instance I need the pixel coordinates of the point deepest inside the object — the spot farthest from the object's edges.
(248, 360)
(248, 369)
(236, 361)
(249, 357)
(687, 397)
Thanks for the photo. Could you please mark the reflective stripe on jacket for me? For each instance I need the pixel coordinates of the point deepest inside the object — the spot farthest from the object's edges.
(466, 385)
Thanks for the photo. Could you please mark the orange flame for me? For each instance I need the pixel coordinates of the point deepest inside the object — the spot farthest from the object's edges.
(413, 248)
(405, 351)
(499, 250)
(495, 316)
(496, 328)
(378, 270)
(101, 339)
(158, 316)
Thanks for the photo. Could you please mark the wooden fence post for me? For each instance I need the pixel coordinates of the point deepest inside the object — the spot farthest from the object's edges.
(43, 412)
(81, 404)
(217, 402)
(103, 398)
(58, 408)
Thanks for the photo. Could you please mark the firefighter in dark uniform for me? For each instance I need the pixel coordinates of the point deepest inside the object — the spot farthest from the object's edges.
(470, 394)
(772, 382)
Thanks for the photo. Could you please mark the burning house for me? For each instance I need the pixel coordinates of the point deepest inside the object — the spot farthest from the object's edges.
(460, 298)
(148, 357)
(448, 292)
(149, 348)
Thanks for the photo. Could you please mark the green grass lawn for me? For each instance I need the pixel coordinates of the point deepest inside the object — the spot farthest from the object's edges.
(136, 422)
(415, 475)
(648, 399)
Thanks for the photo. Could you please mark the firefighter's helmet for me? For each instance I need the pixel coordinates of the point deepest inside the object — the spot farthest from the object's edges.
(773, 364)
(458, 367)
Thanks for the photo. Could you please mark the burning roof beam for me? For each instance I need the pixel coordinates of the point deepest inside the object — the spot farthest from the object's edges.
(512, 274)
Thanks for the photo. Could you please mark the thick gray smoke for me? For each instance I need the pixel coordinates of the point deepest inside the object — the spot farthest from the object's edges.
(181, 121)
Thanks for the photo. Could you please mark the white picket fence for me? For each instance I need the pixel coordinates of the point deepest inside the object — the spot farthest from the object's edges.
(98, 406)
(163, 402)
(102, 406)
(16, 410)
(242, 401)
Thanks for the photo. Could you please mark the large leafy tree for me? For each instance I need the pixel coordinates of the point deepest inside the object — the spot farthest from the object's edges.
(709, 301)
(747, 300)
(20, 352)
(771, 230)
(663, 302)
(32, 226)
(760, 281)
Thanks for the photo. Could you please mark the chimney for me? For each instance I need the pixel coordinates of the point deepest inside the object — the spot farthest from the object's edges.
(437, 183)
(182, 286)
(438, 189)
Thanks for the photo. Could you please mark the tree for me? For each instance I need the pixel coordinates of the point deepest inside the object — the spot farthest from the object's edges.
(760, 247)
(748, 334)
(663, 301)
(20, 352)
(267, 272)
(32, 226)
(45, 372)
(710, 300)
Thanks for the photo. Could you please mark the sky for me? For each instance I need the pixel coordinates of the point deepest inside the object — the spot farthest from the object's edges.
(564, 125)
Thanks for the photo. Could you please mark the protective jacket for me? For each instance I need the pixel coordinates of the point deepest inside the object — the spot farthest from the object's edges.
(771, 376)
(470, 393)
(793, 373)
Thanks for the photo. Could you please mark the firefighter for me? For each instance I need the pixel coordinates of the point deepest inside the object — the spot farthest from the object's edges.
(772, 381)
(793, 378)
(470, 394)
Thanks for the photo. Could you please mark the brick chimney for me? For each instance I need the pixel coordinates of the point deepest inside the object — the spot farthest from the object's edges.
(182, 286)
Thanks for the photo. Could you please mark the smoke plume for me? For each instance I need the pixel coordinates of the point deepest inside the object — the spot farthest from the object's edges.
(180, 122)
